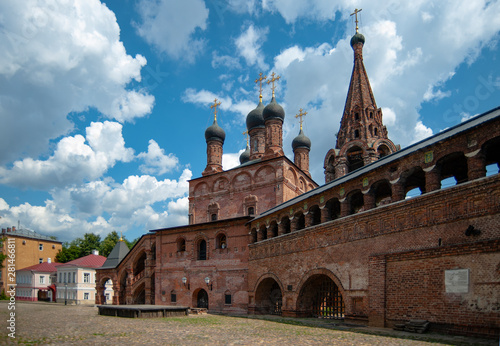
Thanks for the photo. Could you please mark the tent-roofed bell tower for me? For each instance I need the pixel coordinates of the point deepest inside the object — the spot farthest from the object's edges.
(362, 137)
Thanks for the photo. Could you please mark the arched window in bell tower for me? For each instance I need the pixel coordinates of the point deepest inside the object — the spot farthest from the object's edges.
(355, 158)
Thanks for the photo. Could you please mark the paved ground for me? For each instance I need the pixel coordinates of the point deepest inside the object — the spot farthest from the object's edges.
(42, 324)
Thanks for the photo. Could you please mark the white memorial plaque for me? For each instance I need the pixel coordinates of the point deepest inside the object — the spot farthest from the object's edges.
(456, 281)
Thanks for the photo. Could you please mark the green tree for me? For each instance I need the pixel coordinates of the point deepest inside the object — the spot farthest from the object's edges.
(131, 244)
(2, 255)
(89, 242)
(108, 243)
(69, 251)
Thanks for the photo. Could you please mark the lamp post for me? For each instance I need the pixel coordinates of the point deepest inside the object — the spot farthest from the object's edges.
(184, 282)
(65, 293)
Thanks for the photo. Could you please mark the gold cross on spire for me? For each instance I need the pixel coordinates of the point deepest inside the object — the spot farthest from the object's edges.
(259, 80)
(121, 236)
(246, 134)
(215, 108)
(300, 115)
(272, 80)
(355, 13)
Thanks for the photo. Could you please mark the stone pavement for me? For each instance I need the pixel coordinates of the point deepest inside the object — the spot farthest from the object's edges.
(51, 324)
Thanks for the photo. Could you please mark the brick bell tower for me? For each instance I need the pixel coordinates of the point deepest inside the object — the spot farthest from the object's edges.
(273, 115)
(362, 137)
(301, 146)
(215, 136)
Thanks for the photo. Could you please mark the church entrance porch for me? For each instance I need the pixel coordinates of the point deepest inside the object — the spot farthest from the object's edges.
(320, 297)
(268, 297)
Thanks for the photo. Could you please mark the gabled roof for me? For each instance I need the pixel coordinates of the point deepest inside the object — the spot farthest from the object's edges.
(43, 267)
(117, 254)
(89, 261)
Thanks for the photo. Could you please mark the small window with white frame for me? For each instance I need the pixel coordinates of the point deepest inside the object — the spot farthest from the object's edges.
(86, 296)
(40, 247)
(42, 279)
(86, 278)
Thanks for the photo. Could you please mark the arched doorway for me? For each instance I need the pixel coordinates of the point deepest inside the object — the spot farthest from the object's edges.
(321, 297)
(268, 297)
(140, 295)
(202, 299)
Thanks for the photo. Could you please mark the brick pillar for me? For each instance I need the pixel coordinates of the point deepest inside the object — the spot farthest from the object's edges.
(260, 235)
(116, 294)
(398, 192)
(476, 166)
(341, 167)
(293, 225)
(344, 208)
(432, 180)
(325, 215)
(369, 200)
(376, 291)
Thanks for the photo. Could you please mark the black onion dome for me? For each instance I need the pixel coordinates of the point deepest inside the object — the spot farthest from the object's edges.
(255, 118)
(215, 133)
(245, 156)
(358, 38)
(301, 141)
(274, 111)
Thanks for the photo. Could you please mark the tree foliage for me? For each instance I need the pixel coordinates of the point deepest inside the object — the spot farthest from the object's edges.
(80, 247)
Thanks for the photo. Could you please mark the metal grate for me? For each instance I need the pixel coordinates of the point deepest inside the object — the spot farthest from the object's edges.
(328, 302)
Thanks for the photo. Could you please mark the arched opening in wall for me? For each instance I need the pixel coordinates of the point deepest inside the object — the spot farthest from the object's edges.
(285, 223)
(251, 211)
(413, 181)
(320, 297)
(213, 211)
(202, 250)
(356, 202)
(356, 133)
(315, 215)
(354, 158)
(375, 132)
(201, 299)
(371, 115)
(153, 252)
(491, 150)
(273, 229)
(139, 295)
(330, 169)
(300, 221)
(356, 116)
(122, 295)
(263, 232)
(453, 169)
(382, 150)
(268, 297)
(139, 264)
(153, 290)
(253, 234)
(181, 244)
(221, 241)
(105, 290)
(383, 192)
(333, 207)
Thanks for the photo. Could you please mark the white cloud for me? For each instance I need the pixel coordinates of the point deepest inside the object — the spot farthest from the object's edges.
(101, 206)
(408, 57)
(249, 45)
(171, 25)
(73, 160)
(59, 58)
(225, 61)
(231, 160)
(421, 132)
(156, 162)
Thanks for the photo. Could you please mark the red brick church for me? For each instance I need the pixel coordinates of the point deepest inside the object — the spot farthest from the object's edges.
(264, 238)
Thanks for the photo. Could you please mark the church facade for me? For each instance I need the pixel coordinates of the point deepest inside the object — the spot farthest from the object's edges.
(264, 238)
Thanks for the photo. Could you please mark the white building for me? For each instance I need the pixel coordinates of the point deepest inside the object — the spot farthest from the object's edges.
(76, 280)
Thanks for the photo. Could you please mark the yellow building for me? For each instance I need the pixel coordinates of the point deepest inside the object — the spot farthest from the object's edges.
(29, 247)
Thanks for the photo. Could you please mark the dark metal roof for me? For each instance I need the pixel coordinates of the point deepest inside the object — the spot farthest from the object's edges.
(441, 136)
(27, 233)
(116, 255)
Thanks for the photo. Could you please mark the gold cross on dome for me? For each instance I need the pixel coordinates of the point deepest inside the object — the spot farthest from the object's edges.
(215, 108)
(246, 136)
(300, 115)
(259, 80)
(272, 80)
(355, 13)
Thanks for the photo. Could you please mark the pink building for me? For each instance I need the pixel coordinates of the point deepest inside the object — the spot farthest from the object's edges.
(35, 282)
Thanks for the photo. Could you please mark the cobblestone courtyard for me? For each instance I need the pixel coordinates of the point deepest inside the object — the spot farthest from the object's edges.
(42, 323)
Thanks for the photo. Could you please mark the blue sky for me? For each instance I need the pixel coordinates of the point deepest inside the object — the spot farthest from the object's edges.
(104, 104)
